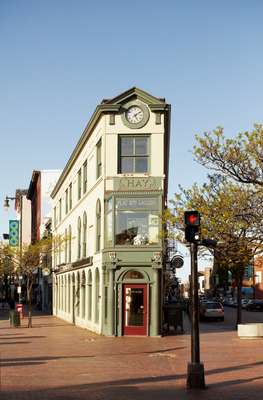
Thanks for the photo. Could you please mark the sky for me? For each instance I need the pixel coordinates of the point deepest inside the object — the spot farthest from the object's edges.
(60, 58)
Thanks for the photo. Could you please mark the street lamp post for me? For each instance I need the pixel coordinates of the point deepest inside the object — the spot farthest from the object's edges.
(195, 369)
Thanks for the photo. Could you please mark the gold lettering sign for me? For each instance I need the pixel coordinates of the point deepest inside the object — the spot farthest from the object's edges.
(147, 183)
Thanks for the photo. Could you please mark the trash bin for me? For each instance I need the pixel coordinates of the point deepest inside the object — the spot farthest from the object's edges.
(173, 316)
(14, 318)
(19, 308)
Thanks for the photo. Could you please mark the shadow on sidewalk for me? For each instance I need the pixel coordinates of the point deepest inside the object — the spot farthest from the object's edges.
(138, 389)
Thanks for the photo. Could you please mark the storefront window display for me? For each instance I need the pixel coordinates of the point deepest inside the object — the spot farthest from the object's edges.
(137, 221)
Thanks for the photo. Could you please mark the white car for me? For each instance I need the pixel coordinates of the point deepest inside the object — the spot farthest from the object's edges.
(211, 310)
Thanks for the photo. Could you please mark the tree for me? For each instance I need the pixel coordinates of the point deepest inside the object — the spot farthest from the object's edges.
(229, 214)
(26, 260)
(240, 158)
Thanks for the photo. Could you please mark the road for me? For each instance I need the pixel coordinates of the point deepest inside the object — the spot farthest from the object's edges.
(230, 320)
(56, 360)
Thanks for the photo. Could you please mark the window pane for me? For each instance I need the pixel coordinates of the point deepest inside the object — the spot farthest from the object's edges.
(109, 229)
(99, 164)
(136, 228)
(141, 146)
(79, 184)
(127, 164)
(141, 164)
(134, 306)
(127, 146)
(109, 204)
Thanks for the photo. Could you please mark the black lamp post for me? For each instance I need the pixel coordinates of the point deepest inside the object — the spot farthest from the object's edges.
(6, 201)
(195, 369)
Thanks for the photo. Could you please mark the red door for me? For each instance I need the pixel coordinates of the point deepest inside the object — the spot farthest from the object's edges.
(135, 309)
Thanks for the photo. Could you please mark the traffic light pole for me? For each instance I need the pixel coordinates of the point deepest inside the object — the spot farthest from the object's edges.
(195, 370)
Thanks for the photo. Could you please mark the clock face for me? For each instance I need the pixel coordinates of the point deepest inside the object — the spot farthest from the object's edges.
(134, 114)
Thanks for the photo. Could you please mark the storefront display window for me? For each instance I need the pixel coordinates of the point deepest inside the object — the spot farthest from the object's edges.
(137, 221)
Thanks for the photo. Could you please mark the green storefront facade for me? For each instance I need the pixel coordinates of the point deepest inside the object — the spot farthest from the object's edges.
(112, 283)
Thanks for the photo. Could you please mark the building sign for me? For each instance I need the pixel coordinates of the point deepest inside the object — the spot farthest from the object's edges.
(131, 184)
(13, 233)
(137, 203)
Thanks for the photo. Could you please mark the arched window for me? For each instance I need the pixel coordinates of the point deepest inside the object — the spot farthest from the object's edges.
(79, 238)
(62, 293)
(65, 294)
(98, 226)
(133, 274)
(59, 292)
(89, 295)
(83, 295)
(69, 294)
(78, 295)
(69, 243)
(66, 246)
(59, 250)
(97, 295)
(84, 242)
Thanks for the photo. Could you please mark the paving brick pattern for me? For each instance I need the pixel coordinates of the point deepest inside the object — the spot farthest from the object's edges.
(56, 360)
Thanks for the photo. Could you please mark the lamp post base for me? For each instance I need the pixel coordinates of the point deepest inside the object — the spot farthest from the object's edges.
(195, 376)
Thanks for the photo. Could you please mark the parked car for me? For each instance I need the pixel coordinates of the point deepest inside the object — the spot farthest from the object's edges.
(211, 310)
(254, 305)
(244, 303)
(228, 301)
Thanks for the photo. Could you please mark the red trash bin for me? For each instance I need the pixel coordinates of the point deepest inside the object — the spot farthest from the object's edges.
(19, 308)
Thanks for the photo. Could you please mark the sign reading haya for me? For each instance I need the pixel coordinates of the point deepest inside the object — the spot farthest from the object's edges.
(130, 183)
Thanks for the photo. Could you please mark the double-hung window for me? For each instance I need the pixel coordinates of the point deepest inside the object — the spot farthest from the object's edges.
(70, 197)
(134, 154)
(60, 210)
(66, 201)
(99, 161)
(79, 184)
(85, 177)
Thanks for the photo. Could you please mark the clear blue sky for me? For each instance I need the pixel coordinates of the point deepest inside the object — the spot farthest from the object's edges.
(60, 58)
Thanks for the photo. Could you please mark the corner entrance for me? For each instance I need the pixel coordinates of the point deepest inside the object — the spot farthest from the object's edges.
(135, 306)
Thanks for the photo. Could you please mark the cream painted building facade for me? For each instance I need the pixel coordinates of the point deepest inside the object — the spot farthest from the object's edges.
(107, 205)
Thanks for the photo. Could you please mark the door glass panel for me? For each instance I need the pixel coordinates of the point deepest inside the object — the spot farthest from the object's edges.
(134, 309)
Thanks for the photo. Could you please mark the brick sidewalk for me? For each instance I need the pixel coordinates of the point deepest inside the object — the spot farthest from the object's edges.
(55, 360)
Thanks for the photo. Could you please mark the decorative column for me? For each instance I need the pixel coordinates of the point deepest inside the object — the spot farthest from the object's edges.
(155, 295)
(111, 294)
(111, 301)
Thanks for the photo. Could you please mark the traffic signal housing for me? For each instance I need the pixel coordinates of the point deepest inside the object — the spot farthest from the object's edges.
(192, 222)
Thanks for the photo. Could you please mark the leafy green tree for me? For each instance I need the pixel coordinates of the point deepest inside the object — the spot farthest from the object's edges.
(229, 214)
(239, 158)
(26, 260)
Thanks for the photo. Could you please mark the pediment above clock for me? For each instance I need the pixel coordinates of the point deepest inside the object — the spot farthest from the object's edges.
(135, 93)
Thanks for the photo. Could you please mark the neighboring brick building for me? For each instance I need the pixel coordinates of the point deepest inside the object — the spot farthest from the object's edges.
(258, 277)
